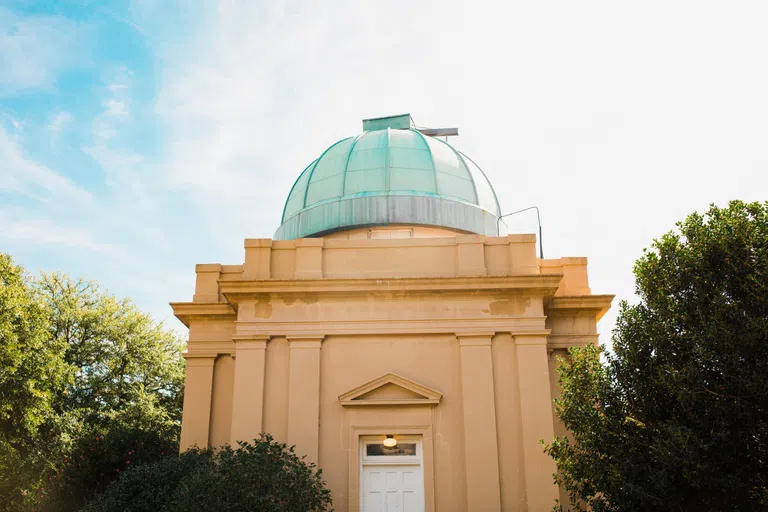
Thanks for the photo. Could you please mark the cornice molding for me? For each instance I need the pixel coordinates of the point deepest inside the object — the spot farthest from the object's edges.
(185, 311)
(571, 340)
(535, 284)
(599, 304)
(464, 326)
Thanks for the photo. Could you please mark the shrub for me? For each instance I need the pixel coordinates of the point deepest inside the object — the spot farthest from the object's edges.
(98, 457)
(264, 475)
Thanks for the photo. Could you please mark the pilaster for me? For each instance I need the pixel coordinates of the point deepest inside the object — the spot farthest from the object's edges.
(536, 412)
(248, 392)
(196, 415)
(304, 395)
(480, 442)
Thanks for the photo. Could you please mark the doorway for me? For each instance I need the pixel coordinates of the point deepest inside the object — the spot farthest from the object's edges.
(392, 478)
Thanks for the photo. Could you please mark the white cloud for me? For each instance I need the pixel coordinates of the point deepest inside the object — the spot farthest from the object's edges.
(617, 120)
(114, 108)
(58, 122)
(25, 176)
(34, 49)
(45, 232)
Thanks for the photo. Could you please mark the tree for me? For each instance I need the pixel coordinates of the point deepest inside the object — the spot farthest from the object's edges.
(677, 416)
(264, 475)
(120, 355)
(124, 405)
(77, 364)
(32, 373)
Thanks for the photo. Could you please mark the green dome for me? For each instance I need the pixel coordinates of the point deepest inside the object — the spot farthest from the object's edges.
(389, 176)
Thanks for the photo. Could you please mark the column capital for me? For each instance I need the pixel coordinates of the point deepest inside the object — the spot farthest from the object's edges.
(474, 339)
(539, 338)
(250, 341)
(305, 340)
(200, 359)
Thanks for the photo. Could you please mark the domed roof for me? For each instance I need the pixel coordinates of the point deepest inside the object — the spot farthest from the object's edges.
(389, 176)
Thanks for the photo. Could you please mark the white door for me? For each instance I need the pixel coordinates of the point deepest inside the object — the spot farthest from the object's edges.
(392, 479)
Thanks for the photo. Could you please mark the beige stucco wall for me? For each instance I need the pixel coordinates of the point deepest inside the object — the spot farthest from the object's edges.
(468, 325)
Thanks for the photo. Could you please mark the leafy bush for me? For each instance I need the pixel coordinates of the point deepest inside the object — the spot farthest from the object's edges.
(264, 475)
(99, 455)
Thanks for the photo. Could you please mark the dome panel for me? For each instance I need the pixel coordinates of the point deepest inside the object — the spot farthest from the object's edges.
(403, 158)
(334, 161)
(412, 180)
(486, 197)
(388, 176)
(372, 140)
(450, 185)
(324, 189)
(405, 139)
(296, 198)
(446, 159)
(362, 159)
(370, 180)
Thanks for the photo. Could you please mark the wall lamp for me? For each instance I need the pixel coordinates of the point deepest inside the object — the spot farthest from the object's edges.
(390, 441)
(538, 217)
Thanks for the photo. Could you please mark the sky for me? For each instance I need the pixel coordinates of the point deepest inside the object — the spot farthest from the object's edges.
(138, 138)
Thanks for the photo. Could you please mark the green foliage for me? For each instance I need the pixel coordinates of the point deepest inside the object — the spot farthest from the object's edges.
(32, 369)
(99, 454)
(264, 475)
(119, 354)
(677, 417)
(76, 362)
(32, 373)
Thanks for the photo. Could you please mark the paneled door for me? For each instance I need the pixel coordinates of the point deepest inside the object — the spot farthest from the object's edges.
(392, 479)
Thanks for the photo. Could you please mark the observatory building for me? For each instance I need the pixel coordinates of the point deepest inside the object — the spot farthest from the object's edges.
(390, 334)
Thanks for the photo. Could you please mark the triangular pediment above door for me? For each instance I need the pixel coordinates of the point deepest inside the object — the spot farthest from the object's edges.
(390, 389)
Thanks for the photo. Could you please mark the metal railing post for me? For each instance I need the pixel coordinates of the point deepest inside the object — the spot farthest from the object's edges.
(538, 217)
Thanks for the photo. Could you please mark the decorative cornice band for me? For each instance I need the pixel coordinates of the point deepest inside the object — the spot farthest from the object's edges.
(186, 310)
(462, 326)
(534, 284)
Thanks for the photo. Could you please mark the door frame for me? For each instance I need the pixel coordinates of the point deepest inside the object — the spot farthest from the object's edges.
(357, 432)
(416, 461)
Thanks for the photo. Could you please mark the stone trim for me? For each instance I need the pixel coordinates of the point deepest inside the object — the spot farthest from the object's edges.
(429, 396)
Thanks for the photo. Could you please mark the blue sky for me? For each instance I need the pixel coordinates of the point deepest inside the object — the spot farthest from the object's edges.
(138, 138)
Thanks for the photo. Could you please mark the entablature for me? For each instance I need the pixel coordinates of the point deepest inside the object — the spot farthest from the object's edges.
(541, 285)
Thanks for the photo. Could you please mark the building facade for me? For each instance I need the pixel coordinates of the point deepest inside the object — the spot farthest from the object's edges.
(390, 334)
